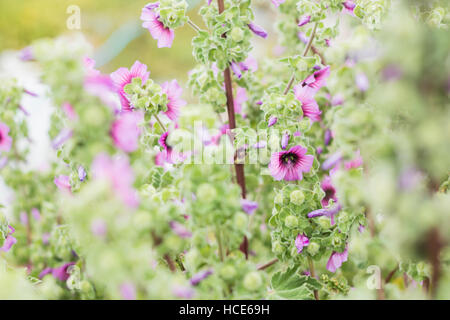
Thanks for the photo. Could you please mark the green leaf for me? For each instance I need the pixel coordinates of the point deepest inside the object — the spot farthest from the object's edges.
(291, 285)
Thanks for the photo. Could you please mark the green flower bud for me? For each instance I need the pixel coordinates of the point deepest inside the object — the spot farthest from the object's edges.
(297, 197)
(313, 248)
(279, 198)
(277, 248)
(240, 220)
(206, 192)
(324, 222)
(228, 272)
(237, 34)
(291, 221)
(252, 281)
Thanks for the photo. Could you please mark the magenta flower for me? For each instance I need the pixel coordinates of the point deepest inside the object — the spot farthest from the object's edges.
(257, 30)
(61, 138)
(355, 162)
(198, 277)
(249, 206)
(156, 28)
(329, 189)
(60, 273)
(249, 64)
(125, 131)
(330, 212)
(277, 2)
(5, 139)
(309, 105)
(285, 140)
(180, 230)
(327, 137)
(9, 240)
(119, 174)
(349, 6)
(173, 91)
(128, 291)
(302, 36)
(336, 260)
(63, 183)
(304, 20)
(240, 98)
(26, 54)
(290, 165)
(272, 121)
(123, 76)
(236, 69)
(317, 80)
(300, 242)
(337, 100)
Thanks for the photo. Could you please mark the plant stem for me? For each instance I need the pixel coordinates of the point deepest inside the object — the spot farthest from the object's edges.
(219, 243)
(193, 25)
(268, 264)
(313, 275)
(305, 52)
(240, 174)
(160, 123)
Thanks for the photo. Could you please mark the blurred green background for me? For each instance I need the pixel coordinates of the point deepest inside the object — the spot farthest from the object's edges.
(112, 26)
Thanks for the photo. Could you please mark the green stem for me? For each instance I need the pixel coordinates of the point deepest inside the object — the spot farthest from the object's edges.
(219, 243)
(313, 275)
(193, 25)
(305, 52)
(160, 123)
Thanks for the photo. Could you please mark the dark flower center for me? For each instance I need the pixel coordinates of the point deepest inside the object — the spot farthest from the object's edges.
(329, 193)
(1, 137)
(289, 158)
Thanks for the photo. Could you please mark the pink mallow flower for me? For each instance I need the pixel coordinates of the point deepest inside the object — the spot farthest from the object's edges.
(329, 189)
(249, 206)
(304, 20)
(240, 98)
(123, 76)
(336, 260)
(156, 28)
(125, 131)
(316, 81)
(277, 2)
(5, 139)
(173, 91)
(309, 105)
(119, 174)
(349, 6)
(290, 165)
(356, 162)
(300, 242)
(9, 240)
(179, 229)
(63, 183)
(61, 273)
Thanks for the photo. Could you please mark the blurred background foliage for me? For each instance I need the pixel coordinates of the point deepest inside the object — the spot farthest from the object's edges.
(112, 26)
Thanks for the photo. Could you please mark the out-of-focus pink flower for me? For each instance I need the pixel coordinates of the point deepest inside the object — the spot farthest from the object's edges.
(5, 139)
(180, 230)
(302, 36)
(63, 183)
(183, 292)
(119, 174)
(332, 161)
(356, 162)
(349, 6)
(174, 92)
(198, 277)
(272, 121)
(249, 64)
(99, 227)
(156, 28)
(69, 111)
(336, 260)
(9, 240)
(316, 81)
(249, 206)
(285, 140)
(125, 131)
(304, 20)
(36, 214)
(123, 76)
(26, 54)
(81, 173)
(277, 2)
(300, 242)
(128, 291)
(290, 165)
(61, 273)
(61, 138)
(362, 82)
(241, 97)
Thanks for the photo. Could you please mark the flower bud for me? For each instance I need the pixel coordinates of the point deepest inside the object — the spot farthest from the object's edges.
(277, 248)
(279, 198)
(291, 221)
(324, 222)
(252, 281)
(313, 248)
(228, 272)
(206, 192)
(237, 34)
(297, 197)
